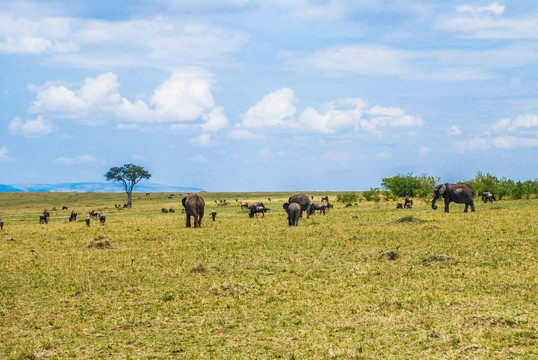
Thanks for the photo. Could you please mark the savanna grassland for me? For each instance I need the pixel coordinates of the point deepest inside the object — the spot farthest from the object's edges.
(362, 282)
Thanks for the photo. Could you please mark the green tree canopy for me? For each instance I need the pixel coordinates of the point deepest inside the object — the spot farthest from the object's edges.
(129, 175)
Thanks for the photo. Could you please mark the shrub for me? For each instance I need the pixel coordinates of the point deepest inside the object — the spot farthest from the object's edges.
(409, 185)
(372, 194)
(347, 198)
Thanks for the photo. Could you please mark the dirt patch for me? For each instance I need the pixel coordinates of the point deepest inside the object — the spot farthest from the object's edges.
(101, 242)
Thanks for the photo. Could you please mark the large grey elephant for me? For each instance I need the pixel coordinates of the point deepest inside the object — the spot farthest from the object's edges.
(294, 213)
(194, 206)
(458, 193)
(302, 200)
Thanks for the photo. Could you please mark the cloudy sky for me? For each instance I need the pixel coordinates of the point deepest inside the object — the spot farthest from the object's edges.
(246, 95)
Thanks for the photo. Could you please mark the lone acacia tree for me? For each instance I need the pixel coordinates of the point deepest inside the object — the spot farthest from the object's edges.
(129, 175)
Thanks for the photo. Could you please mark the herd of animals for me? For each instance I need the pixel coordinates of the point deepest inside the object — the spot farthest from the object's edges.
(194, 205)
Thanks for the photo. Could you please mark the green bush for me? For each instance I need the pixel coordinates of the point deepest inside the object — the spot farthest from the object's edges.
(372, 194)
(347, 198)
(410, 185)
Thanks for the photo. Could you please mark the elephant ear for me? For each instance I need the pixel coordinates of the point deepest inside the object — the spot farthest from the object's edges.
(443, 189)
(183, 201)
(285, 206)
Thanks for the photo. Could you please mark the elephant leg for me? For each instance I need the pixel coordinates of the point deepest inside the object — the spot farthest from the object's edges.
(466, 206)
(196, 221)
(188, 221)
(446, 205)
(472, 206)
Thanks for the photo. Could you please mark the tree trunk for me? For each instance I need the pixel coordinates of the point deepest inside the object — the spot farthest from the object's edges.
(129, 197)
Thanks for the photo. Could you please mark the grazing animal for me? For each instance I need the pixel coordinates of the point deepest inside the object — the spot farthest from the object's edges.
(320, 207)
(268, 199)
(458, 193)
(102, 218)
(94, 214)
(43, 219)
(171, 210)
(213, 214)
(170, 197)
(488, 195)
(87, 221)
(1, 224)
(147, 194)
(408, 206)
(244, 205)
(302, 200)
(64, 207)
(73, 216)
(325, 199)
(194, 206)
(125, 205)
(163, 210)
(408, 203)
(255, 209)
(399, 206)
(294, 213)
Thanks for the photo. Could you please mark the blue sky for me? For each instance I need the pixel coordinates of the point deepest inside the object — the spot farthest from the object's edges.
(246, 95)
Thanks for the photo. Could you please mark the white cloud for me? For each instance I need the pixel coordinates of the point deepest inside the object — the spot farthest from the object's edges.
(83, 159)
(522, 121)
(215, 120)
(186, 96)
(159, 41)
(394, 116)
(339, 114)
(202, 140)
(4, 154)
(501, 142)
(274, 110)
(30, 128)
(454, 131)
(494, 8)
(238, 134)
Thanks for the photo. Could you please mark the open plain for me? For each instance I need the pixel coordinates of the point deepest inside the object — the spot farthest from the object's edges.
(365, 281)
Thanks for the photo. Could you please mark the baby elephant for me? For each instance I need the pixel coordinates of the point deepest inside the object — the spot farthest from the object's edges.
(294, 213)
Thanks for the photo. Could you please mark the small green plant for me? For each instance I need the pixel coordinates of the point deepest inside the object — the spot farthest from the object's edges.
(100, 242)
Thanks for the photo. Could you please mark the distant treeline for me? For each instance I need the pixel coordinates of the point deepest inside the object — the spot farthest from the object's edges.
(421, 186)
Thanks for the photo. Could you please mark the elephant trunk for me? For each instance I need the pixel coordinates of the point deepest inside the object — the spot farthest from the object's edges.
(434, 207)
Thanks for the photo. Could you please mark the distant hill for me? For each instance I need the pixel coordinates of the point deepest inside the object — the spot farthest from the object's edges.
(93, 187)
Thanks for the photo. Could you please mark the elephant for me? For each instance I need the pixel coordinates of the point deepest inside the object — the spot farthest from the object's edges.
(294, 213)
(408, 203)
(194, 206)
(213, 214)
(320, 207)
(302, 200)
(102, 218)
(488, 195)
(458, 193)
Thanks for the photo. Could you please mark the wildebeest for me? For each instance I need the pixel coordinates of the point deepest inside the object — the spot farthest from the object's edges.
(64, 207)
(320, 207)
(408, 203)
(257, 208)
(44, 217)
(244, 205)
(325, 198)
(399, 206)
(1, 224)
(171, 210)
(268, 199)
(407, 206)
(488, 195)
(102, 218)
(73, 216)
(213, 214)
(94, 214)
(87, 221)
(164, 211)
